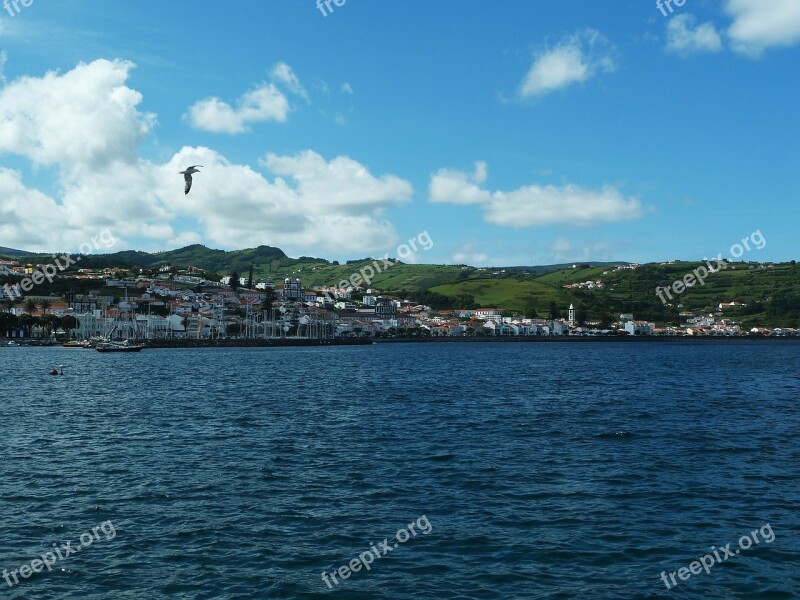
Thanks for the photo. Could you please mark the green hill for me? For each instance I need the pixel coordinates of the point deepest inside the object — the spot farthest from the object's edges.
(11, 253)
(770, 291)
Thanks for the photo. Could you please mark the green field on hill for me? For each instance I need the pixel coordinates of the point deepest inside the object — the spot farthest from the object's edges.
(770, 291)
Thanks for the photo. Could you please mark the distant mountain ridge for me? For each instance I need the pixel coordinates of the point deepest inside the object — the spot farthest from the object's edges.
(11, 252)
(195, 255)
(223, 261)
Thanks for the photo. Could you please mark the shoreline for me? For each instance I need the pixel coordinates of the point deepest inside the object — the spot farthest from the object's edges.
(590, 339)
(302, 342)
(258, 343)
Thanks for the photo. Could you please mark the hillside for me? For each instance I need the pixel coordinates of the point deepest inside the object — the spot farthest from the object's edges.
(12, 253)
(771, 292)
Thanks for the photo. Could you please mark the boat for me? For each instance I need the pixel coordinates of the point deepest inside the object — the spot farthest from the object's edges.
(12, 343)
(124, 329)
(124, 346)
(73, 344)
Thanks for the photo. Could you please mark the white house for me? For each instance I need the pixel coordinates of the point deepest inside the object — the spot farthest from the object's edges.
(638, 328)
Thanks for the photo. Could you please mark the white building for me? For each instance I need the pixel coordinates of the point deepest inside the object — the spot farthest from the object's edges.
(638, 328)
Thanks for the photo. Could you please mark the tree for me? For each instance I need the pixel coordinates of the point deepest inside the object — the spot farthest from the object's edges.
(554, 314)
(48, 323)
(45, 305)
(68, 323)
(30, 306)
(234, 281)
(27, 322)
(269, 298)
(7, 321)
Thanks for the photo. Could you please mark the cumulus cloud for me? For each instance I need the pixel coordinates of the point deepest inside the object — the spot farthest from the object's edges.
(283, 74)
(760, 25)
(342, 184)
(18, 200)
(457, 187)
(534, 205)
(265, 102)
(469, 254)
(575, 59)
(86, 117)
(238, 206)
(683, 37)
(84, 126)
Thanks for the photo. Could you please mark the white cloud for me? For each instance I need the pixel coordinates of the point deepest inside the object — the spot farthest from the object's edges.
(534, 205)
(265, 102)
(283, 73)
(183, 239)
(342, 184)
(311, 205)
(468, 254)
(84, 125)
(575, 59)
(347, 89)
(19, 200)
(759, 25)
(84, 118)
(684, 38)
(3, 59)
(456, 187)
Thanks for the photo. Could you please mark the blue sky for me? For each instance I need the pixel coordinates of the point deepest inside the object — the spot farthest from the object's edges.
(515, 132)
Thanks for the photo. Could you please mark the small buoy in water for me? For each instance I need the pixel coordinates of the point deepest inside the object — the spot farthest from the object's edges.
(55, 371)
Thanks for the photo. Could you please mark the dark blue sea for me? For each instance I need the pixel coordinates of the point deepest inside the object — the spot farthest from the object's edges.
(486, 470)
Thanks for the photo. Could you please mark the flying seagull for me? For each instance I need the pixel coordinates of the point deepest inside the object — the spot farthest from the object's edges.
(187, 176)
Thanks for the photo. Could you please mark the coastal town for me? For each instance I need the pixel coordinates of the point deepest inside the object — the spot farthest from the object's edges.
(182, 304)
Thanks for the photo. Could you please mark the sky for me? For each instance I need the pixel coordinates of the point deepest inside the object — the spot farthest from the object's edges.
(511, 132)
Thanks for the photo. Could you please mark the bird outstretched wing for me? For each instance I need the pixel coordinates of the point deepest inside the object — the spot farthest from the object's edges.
(188, 186)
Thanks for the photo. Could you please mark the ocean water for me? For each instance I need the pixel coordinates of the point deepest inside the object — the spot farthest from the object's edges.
(509, 470)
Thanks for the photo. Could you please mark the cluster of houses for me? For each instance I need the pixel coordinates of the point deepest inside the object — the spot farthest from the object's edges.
(184, 304)
(586, 285)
